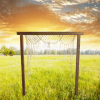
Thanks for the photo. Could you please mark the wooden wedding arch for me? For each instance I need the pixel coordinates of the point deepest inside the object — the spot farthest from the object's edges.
(50, 33)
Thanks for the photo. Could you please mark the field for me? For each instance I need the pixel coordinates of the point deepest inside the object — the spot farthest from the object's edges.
(50, 78)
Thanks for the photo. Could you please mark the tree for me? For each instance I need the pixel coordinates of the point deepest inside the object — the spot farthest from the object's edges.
(0, 51)
(49, 52)
(54, 52)
(13, 48)
(68, 51)
(11, 52)
(40, 53)
(5, 50)
(46, 52)
(59, 52)
(82, 52)
(18, 52)
(25, 51)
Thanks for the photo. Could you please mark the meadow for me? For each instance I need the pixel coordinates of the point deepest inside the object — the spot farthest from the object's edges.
(50, 78)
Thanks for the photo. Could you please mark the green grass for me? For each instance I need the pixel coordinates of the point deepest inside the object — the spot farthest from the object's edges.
(50, 78)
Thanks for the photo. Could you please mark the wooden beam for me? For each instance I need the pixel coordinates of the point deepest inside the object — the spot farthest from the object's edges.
(22, 63)
(50, 33)
(77, 64)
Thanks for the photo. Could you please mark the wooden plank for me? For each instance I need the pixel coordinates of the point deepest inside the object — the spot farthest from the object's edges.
(22, 63)
(50, 33)
(77, 64)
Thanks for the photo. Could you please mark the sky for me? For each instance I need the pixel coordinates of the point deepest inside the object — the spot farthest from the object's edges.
(50, 15)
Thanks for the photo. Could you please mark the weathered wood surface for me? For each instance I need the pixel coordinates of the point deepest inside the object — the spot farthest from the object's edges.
(77, 64)
(22, 63)
(50, 33)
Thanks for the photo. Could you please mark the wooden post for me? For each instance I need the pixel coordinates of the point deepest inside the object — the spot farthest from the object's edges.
(22, 63)
(77, 64)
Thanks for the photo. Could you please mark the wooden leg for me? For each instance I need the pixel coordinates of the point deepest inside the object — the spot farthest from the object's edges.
(77, 64)
(22, 63)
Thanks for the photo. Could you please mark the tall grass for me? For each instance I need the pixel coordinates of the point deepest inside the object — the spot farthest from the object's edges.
(50, 78)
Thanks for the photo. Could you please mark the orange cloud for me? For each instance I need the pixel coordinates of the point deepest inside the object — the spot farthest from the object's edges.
(23, 16)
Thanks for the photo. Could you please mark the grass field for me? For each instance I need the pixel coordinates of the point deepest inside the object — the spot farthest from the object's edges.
(50, 78)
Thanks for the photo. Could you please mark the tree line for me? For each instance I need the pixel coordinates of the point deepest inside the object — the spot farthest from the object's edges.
(68, 51)
(59, 52)
(9, 51)
(90, 52)
(14, 51)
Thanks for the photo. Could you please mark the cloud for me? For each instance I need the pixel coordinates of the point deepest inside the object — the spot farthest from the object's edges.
(95, 9)
(63, 3)
(20, 15)
(7, 8)
(29, 17)
(86, 15)
(87, 1)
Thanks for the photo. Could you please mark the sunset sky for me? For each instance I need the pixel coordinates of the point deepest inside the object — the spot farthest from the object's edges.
(50, 15)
